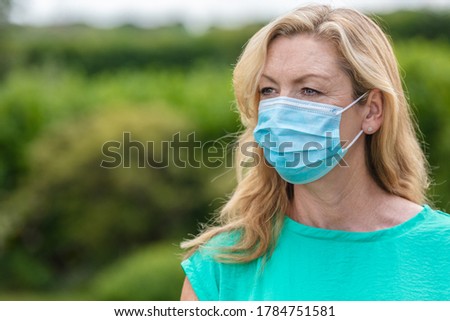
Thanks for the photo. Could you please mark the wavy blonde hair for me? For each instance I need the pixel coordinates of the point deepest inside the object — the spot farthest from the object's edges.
(394, 157)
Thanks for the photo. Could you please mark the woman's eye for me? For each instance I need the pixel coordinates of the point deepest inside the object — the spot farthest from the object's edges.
(310, 92)
(267, 91)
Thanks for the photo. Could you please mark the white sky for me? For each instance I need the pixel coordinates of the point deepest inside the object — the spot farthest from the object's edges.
(195, 14)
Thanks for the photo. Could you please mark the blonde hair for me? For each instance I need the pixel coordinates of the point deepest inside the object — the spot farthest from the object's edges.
(395, 160)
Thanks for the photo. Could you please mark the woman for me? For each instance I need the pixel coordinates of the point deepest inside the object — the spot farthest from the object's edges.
(332, 206)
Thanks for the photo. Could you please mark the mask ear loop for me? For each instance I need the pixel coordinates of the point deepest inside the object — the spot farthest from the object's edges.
(354, 140)
(344, 109)
(352, 104)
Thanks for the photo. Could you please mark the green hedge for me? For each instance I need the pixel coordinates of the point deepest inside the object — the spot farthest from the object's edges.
(98, 50)
(103, 50)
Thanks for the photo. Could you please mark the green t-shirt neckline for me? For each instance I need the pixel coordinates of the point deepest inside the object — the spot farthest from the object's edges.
(348, 236)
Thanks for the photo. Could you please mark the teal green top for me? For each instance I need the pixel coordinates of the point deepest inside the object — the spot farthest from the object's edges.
(410, 261)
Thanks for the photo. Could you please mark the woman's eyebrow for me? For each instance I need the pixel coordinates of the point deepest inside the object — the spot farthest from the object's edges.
(301, 78)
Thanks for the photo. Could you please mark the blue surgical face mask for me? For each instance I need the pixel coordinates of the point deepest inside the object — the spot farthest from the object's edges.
(301, 139)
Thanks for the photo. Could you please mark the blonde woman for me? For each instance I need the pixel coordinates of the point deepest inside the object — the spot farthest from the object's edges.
(330, 202)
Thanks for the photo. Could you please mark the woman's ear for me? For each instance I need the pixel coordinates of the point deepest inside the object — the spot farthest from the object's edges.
(373, 116)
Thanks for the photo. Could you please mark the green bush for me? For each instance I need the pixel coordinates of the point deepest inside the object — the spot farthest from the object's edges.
(72, 216)
(30, 101)
(152, 273)
(35, 99)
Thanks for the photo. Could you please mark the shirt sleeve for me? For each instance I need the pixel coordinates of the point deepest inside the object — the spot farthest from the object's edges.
(202, 272)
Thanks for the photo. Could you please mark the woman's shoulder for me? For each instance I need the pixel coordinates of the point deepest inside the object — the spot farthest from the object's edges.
(208, 274)
(209, 253)
(437, 215)
(219, 243)
(436, 221)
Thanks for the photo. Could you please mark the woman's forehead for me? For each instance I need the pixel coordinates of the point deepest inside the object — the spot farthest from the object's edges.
(301, 55)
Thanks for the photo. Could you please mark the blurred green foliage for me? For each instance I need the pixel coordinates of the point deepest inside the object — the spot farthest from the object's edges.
(77, 216)
(70, 229)
(426, 24)
(151, 273)
(95, 51)
(426, 69)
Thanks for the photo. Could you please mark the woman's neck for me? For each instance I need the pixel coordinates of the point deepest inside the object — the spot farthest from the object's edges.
(349, 199)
